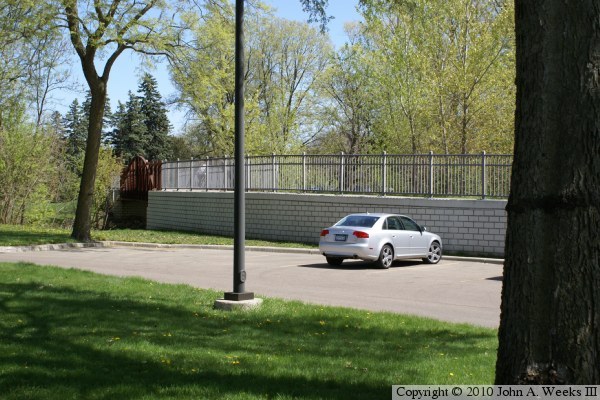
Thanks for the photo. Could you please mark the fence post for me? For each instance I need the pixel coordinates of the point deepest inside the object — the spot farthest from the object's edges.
(228, 165)
(384, 173)
(273, 172)
(342, 172)
(207, 173)
(177, 175)
(225, 173)
(191, 173)
(247, 172)
(304, 172)
(163, 176)
(431, 174)
(483, 177)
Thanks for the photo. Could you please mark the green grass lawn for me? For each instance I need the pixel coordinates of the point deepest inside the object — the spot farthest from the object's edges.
(173, 237)
(24, 235)
(16, 235)
(74, 334)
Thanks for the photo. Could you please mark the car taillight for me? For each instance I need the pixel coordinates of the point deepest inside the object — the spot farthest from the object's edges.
(361, 235)
(325, 232)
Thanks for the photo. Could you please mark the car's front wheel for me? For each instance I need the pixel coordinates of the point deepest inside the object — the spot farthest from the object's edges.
(386, 257)
(334, 260)
(434, 255)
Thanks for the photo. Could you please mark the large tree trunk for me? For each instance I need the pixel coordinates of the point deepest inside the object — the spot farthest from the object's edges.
(85, 200)
(549, 329)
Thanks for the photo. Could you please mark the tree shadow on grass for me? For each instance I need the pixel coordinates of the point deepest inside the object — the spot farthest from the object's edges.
(57, 341)
(13, 237)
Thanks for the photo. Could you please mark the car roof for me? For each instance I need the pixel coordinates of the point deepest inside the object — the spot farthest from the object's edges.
(376, 215)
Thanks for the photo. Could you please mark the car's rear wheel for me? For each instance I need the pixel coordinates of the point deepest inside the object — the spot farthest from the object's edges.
(386, 257)
(434, 254)
(334, 260)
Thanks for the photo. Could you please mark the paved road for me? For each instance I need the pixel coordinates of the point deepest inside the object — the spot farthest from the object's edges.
(456, 291)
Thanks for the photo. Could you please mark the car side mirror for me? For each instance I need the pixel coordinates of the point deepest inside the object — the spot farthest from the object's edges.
(423, 228)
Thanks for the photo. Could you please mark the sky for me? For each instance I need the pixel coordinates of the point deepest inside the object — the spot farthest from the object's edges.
(126, 71)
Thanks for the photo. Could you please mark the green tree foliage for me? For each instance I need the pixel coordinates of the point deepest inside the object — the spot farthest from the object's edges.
(107, 177)
(40, 166)
(445, 70)
(204, 77)
(32, 59)
(75, 127)
(26, 167)
(56, 124)
(350, 112)
(48, 71)
(75, 132)
(65, 182)
(415, 76)
(114, 137)
(285, 60)
(154, 112)
(141, 126)
(316, 12)
(100, 32)
(180, 148)
(131, 133)
(86, 109)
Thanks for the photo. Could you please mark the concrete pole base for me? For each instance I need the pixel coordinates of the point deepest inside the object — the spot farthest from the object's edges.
(232, 305)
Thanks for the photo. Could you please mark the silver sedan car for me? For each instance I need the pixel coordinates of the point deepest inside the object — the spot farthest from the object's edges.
(381, 238)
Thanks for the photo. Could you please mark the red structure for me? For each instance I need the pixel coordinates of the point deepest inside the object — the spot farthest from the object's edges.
(139, 177)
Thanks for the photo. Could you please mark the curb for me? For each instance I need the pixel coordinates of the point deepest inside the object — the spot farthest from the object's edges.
(141, 245)
(48, 247)
(483, 260)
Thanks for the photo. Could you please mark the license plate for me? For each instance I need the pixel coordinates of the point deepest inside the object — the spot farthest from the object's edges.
(341, 238)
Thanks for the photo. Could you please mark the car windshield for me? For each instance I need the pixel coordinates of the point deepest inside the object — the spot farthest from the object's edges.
(364, 221)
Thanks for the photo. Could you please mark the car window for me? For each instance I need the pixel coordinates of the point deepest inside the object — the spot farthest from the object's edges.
(364, 221)
(393, 224)
(409, 224)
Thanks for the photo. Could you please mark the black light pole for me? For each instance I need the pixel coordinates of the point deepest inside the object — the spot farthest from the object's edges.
(239, 273)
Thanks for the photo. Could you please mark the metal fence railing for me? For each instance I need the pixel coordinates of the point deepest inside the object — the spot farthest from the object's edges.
(431, 175)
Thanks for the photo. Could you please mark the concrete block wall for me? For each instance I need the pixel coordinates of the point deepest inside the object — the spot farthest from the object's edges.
(466, 226)
(125, 209)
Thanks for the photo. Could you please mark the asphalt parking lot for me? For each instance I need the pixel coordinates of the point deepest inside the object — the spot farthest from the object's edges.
(453, 290)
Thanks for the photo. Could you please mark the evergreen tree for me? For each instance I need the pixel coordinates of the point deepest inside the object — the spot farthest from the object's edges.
(116, 136)
(56, 125)
(155, 118)
(133, 135)
(75, 128)
(107, 120)
(141, 126)
(75, 132)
